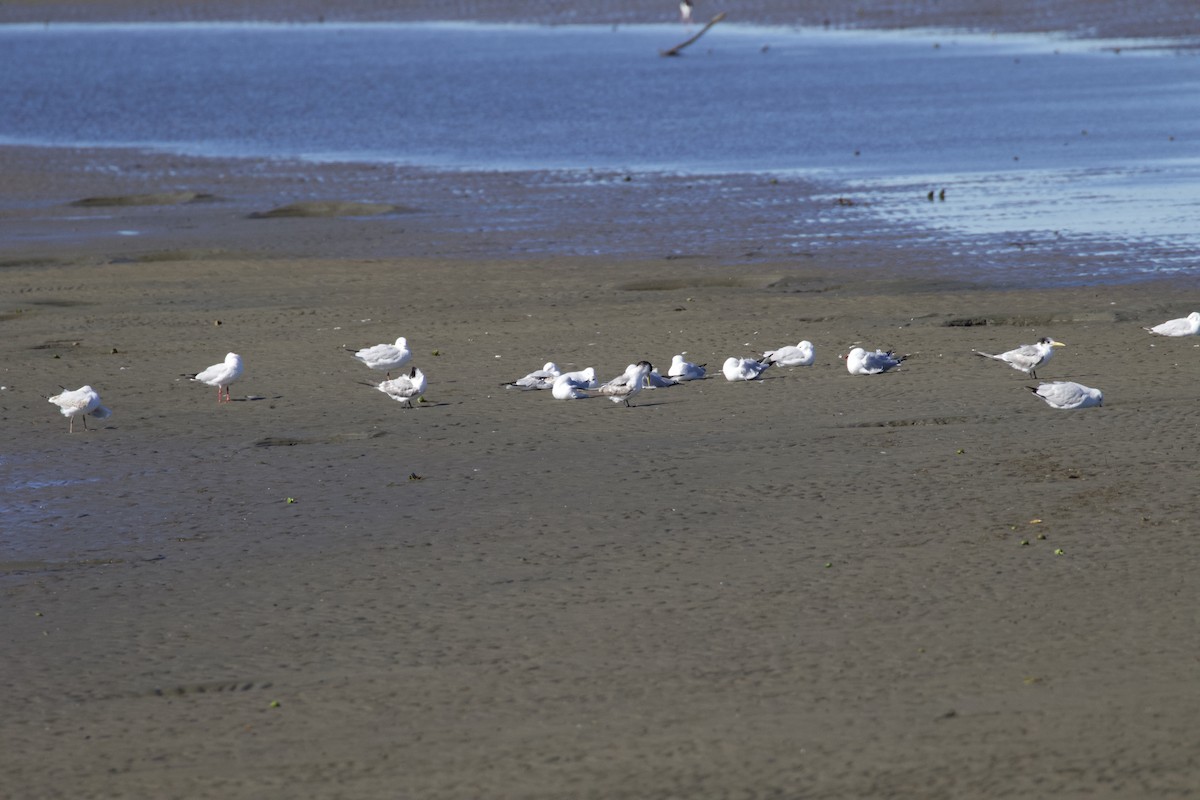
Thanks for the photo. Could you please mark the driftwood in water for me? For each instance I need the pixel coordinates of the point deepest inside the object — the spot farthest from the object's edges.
(674, 51)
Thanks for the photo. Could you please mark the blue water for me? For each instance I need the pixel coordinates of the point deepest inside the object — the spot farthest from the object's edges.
(1029, 133)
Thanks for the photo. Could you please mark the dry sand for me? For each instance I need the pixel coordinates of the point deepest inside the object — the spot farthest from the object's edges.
(922, 584)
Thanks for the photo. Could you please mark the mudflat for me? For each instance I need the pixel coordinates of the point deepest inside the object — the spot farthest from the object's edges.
(925, 583)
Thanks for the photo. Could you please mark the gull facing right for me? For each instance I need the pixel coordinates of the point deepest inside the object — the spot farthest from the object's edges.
(221, 375)
(406, 389)
(538, 379)
(1027, 357)
(386, 357)
(793, 355)
(1068, 394)
(623, 387)
(1185, 326)
(860, 362)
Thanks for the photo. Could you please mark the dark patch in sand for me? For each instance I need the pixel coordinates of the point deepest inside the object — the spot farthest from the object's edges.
(331, 208)
(153, 199)
(286, 441)
(671, 284)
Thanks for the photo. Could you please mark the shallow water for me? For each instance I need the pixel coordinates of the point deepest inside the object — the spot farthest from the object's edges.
(1030, 136)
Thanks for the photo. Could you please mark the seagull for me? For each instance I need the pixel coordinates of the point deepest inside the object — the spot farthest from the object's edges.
(565, 388)
(84, 400)
(581, 379)
(800, 355)
(1068, 394)
(406, 389)
(685, 11)
(221, 375)
(623, 387)
(1027, 357)
(685, 370)
(742, 369)
(1186, 326)
(656, 381)
(860, 362)
(538, 379)
(386, 357)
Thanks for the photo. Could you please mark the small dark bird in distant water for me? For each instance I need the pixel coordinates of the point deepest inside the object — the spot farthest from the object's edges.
(685, 11)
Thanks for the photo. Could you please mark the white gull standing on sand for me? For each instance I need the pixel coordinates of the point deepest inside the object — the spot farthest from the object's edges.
(685, 370)
(1185, 326)
(861, 362)
(85, 400)
(1068, 394)
(793, 355)
(623, 387)
(406, 389)
(538, 379)
(386, 357)
(221, 375)
(743, 369)
(1027, 357)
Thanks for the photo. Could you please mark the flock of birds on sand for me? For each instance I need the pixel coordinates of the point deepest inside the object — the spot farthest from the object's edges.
(409, 389)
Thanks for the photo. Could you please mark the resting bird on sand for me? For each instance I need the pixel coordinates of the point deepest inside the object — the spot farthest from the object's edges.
(742, 369)
(580, 379)
(794, 355)
(622, 388)
(1027, 357)
(386, 357)
(407, 389)
(685, 11)
(1068, 394)
(85, 400)
(685, 370)
(566, 388)
(538, 379)
(860, 362)
(1185, 326)
(221, 375)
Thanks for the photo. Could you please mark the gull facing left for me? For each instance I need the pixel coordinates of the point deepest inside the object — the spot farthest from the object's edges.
(85, 400)
(742, 369)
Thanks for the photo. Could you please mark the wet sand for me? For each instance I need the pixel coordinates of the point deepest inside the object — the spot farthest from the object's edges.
(921, 584)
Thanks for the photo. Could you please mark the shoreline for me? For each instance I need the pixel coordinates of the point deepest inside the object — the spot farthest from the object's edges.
(160, 206)
(1123, 19)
